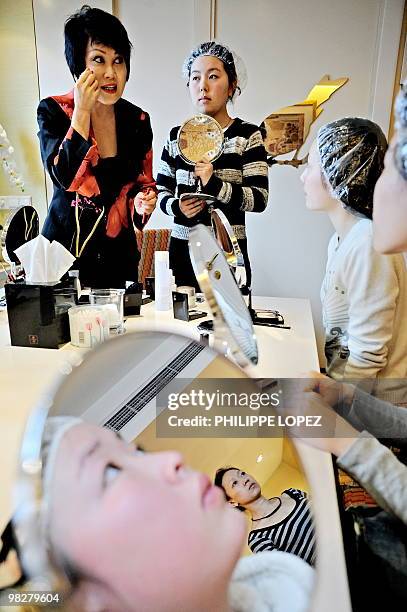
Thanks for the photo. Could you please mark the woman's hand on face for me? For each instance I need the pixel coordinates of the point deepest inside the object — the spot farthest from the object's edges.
(86, 91)
(145, 202)
(204, 171)
(191, 207)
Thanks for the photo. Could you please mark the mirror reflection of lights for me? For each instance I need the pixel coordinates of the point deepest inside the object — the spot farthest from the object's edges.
(259, 458)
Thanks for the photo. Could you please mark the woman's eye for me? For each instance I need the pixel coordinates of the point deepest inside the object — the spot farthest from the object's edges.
(213, 76)
(110, 473)
(98, 59)
(195, 78)
(234, 483)
(118, 60)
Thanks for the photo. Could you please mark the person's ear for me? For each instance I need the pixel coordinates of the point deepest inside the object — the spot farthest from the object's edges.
(232, 90)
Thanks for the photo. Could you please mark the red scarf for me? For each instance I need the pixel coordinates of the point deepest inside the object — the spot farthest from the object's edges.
(85, 182)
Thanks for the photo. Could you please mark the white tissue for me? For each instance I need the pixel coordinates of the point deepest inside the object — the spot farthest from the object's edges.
(44, 261)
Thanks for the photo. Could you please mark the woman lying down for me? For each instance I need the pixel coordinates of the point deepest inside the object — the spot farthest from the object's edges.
(135, 531)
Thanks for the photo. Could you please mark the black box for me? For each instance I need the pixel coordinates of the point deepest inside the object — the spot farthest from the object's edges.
(38, 313)
(150, 286)
(132, 299)
(181, 309)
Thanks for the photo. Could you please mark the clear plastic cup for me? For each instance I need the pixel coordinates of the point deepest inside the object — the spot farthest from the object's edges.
(111, 300)
(88, 325)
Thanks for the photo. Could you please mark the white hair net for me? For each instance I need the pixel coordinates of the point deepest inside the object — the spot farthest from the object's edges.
(31, 518)
(352, 153)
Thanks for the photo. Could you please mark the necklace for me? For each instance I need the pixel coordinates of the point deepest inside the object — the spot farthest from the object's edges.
(272, 512)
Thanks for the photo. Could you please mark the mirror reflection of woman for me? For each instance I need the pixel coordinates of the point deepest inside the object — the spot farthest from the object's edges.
(238, 178)
(96, 147)
(280, 523)
(134, 531)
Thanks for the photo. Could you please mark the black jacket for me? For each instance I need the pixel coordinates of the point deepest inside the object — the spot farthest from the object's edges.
(82, 179)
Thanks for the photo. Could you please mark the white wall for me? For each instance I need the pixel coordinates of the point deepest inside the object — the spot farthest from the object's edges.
(49, 17)
(287, 47)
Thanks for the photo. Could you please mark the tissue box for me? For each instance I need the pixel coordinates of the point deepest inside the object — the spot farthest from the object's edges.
(38, 313)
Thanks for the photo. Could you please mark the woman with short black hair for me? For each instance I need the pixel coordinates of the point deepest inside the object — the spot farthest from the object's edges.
(96, 147)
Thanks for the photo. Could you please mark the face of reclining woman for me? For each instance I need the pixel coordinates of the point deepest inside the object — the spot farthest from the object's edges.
(141, 526)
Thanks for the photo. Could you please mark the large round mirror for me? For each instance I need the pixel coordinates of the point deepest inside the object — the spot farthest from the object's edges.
(91, 510)
(232, 321)
(200, 137)
(20, 226)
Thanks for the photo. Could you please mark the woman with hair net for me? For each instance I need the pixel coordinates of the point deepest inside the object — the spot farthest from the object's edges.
(359, 419)
(127, 531)
(238, 178)
(364, 294)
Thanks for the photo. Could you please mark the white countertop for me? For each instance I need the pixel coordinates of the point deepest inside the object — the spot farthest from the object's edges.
(26, 372)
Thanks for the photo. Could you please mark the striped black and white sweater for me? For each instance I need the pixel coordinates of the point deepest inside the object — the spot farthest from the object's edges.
(239, 181)
(294, 534)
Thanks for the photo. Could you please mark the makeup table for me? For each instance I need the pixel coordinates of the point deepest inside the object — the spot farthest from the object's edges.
(25, 373)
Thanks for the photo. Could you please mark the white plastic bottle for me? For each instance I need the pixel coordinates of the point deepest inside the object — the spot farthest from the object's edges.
(163, 297)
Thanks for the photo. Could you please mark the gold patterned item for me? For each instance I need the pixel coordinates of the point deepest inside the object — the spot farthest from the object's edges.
(200, 138)
(287, 129)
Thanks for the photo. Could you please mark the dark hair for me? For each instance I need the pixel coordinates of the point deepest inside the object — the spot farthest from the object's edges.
(99, 27)
(218, 482)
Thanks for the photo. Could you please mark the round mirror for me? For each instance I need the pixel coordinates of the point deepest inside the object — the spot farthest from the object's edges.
(200, 137)
(233, 327)
(90, 508)
(21, 225)
(125, 385)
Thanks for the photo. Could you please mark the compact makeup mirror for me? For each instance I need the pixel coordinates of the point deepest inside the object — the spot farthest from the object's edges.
(200, 138)
(21, 225)
(233, 328)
